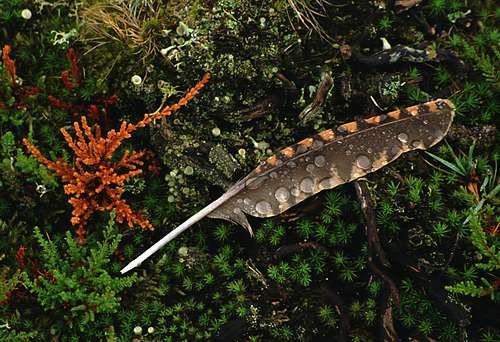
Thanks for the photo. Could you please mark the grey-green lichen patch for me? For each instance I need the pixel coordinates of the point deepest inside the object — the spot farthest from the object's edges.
(223, 161)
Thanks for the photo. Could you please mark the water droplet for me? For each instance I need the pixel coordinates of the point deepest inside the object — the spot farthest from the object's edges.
(440, 105)
(279, 162)
(273, 175)
(255, 183)
(363, 162)
(403, 137)
(247, 201)
(263, 208)
(341, 129)
(348, 152)
(327, 183)
(282, 194)
(426, 122)
(295, 192)
(351, 146)
(383, 117)
(310, 168)
(437, 133)
(416, 143)
(307, 185)
(318, 144)
(319, 161)
(395, 149)
(369, 150)
(301, 149)
(291, 164)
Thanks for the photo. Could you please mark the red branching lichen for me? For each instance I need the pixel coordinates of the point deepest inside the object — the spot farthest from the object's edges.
(70, 84)
(73, 59)
(21, 262)
(71, 80)
(66, 81)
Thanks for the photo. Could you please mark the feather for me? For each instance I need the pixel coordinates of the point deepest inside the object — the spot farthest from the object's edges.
(324, 161)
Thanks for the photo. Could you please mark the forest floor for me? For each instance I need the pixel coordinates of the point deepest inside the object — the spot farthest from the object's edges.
(97, 163)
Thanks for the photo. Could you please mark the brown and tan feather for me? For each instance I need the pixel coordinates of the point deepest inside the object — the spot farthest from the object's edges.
(334, 157)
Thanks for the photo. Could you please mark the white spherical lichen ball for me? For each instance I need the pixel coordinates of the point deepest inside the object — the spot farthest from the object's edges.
(216, 131)
(136, 80)
(138, 330)
(26, 14)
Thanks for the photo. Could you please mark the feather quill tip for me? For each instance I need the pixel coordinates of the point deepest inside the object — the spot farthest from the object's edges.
(133, 264)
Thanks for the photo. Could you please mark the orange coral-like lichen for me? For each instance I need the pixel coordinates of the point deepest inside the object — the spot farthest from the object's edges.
(9, 64)
(95, 182)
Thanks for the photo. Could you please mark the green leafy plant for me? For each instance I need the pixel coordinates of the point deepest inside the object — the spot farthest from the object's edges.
(385, 23)
(488, 246)
(437, 7)
(327, 315)
(222, 232)
(440, 230)
(463, 166)
(415, 186)
(78, 279)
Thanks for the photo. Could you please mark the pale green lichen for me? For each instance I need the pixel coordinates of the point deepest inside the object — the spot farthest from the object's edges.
(223, 161)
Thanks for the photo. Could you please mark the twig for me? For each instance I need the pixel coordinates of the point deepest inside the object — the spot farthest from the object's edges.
(371, 227)
(453, 250)
(373, 239)
(399, 53)
(296, 247)
(324, 87)
(386, 321)
(271, 102)
(387, 280)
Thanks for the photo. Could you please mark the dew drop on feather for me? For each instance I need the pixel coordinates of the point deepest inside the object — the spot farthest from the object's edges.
(282, 194)
(310, 168)
(307, 185)
(319, 161)
(403, 137)
(363, 162)
(416, 143)
(263, 208)
(326, 183)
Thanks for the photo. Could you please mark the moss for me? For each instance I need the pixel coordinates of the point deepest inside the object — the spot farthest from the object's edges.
(224, 284)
